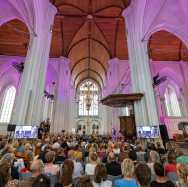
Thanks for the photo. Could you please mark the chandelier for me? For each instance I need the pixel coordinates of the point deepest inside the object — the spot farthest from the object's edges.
(88, 97)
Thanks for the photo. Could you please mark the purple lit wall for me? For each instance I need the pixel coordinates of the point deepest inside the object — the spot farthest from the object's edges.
(176, 73)
(9, 75)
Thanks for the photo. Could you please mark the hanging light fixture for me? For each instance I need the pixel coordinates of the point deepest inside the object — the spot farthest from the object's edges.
(88, 97)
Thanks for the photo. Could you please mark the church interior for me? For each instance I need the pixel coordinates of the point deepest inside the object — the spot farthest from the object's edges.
(95, 68)
(91, 41)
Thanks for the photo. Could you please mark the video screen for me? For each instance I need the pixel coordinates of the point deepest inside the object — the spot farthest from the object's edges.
(26, 132)
(148, 132)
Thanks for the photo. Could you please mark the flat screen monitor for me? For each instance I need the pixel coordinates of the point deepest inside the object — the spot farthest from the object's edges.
(26, 132)
(148, 132)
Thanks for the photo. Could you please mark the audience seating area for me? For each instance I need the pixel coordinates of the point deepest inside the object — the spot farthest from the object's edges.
(97, 161)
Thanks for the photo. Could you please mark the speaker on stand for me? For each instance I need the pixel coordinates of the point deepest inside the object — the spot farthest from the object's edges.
(11, 130)
(164, 134)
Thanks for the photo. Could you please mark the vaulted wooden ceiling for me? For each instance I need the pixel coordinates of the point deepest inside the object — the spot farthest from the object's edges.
(89, 33)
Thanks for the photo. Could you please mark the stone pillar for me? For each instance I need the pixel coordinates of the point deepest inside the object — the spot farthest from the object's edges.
(145, 110)
(64, 99)
(184, 89)
(29, 100)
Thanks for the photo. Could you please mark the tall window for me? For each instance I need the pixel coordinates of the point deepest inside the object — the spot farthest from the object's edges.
(88, 98)
(7, 105)
(171, 102)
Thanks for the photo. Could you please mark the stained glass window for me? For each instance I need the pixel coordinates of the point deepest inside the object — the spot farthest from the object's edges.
(88, 98)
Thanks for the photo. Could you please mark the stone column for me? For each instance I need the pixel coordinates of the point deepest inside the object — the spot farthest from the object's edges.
(184, 89)
(63, 105)
(145, 110)
(29, 100)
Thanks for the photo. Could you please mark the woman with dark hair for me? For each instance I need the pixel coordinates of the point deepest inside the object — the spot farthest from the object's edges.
(5, 175)
(100, 177)
(67, 172)
(84, 182)
(41, 181)
(161, 179)
(143, 174)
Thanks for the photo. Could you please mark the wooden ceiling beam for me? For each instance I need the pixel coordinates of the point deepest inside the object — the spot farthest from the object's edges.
(107, 7)
(180, 50)
(115, 38)
(86, 70)
(71, 5)
(92, 58)
(18, 31)
(149, 47)
(75, 16)
(101, 31)
(93, 39)
(74, 35)
(62, 39)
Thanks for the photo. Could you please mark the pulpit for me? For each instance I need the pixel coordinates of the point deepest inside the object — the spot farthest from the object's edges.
(127, 121)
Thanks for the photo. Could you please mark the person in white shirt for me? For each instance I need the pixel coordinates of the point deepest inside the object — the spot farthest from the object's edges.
(100, 177)
(90, 167)
(78, 168)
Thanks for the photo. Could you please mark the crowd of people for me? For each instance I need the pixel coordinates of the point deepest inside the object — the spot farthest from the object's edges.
(67, 160)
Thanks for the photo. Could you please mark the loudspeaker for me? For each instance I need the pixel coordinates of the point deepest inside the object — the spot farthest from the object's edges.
(11, 128)
(164, 133)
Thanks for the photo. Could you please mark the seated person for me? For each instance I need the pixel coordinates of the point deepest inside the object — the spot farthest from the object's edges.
(67, 173)
(141, 155)
(171, 165)
(112, 166)
(128, 175)
(143, 174)
(90, 167)
(84, 182)
(161, 180)
(50, 168)
(100, 177)
(182, 171)
(20, 148)
(36, 169)
(78, 168)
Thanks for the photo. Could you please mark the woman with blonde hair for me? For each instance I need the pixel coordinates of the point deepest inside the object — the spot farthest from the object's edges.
(182, 171)
(128, 180)
(153, 158)
(90, 167)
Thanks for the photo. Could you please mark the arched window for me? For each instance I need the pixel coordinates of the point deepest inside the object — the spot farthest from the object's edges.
(88, 98)
(171, 102)
(7, 105)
